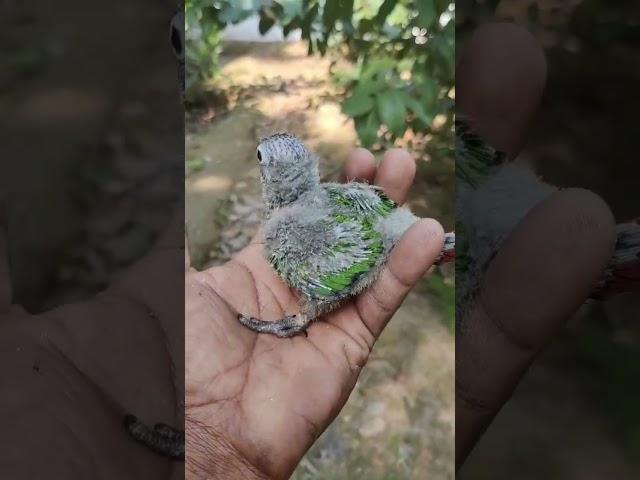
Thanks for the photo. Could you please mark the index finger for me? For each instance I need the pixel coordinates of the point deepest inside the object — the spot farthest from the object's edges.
(500, 78)
(360, 167)
(395, 174)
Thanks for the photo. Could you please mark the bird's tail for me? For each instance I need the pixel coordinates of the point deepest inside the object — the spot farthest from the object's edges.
(399, 221)
(393, 226)
(623, 273)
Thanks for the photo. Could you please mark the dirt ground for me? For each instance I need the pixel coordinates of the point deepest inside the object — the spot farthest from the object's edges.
(399, 421)
(91, 138)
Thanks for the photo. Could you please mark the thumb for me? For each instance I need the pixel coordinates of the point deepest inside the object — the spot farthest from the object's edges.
(414, 254)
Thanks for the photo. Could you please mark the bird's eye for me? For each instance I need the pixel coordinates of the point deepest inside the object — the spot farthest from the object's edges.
(259, 156)
(177, 35)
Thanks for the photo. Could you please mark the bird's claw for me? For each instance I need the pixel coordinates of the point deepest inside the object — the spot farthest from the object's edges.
(286, 327)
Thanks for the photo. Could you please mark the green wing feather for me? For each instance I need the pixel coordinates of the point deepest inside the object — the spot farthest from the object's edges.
(361, 198)
(336, 282)
(364, 209)
(474, 157)
(329, 263)
(475, 160)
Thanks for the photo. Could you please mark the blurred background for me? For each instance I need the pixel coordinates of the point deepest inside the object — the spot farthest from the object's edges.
(576, 414)
(337, 74)
(91, 135)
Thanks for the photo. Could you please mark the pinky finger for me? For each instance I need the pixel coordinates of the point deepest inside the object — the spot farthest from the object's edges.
(360, 167)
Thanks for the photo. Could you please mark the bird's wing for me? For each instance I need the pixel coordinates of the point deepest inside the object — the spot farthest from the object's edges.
(325, 253)
(360, 198)
(474, 157)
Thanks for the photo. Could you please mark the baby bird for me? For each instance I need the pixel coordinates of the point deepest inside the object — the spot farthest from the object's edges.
(328, 241)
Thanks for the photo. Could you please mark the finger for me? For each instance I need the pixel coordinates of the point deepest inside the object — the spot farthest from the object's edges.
(360, 167)
(540, 277)
(500, 78)
(410, 259)
(395, 174)
(5, 278)
(156, 282)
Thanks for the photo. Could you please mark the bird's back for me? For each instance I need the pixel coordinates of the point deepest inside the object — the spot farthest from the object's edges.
(331, 242)
(388, 219)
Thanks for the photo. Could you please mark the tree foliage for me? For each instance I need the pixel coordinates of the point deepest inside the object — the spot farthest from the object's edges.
(202, 41)
(402, 52)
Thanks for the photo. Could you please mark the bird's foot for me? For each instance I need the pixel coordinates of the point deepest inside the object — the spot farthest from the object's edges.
(285, 327)
(162, 439)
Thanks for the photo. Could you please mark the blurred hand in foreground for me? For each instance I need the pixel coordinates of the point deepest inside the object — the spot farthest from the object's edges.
(548, 265)
(70, 375)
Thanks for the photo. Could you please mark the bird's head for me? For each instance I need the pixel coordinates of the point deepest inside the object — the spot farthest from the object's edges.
(287, 168)
(282, 150)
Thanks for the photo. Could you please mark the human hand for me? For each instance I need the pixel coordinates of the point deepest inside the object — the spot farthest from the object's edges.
(70, 375)
(256, 403)
(549, 264)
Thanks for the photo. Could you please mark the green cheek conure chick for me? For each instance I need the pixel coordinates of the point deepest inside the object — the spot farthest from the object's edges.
(328, 241)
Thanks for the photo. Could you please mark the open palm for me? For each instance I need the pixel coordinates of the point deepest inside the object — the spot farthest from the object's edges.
(71, 374)
(267, 398)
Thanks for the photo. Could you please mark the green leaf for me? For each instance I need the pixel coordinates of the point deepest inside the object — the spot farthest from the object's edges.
(308, 19)
(399, 15)
(371, 86)
(330, 15)
(344, 76)
(446, 295)
(428, 90)
(292, 25)
(375, 66)
(231, 14)
(367, 128)
(195, 164)
(292, 9)
(346, 16)
(358, 104)
(426, 13)
(265, 24)
(210, 15)
(346, 9)
(418, 108)
(384, 11)
(322, 46)
(365, 25)
(347, 28)
(392, 111)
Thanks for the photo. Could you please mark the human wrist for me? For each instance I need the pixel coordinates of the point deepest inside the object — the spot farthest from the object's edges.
(210, 456)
